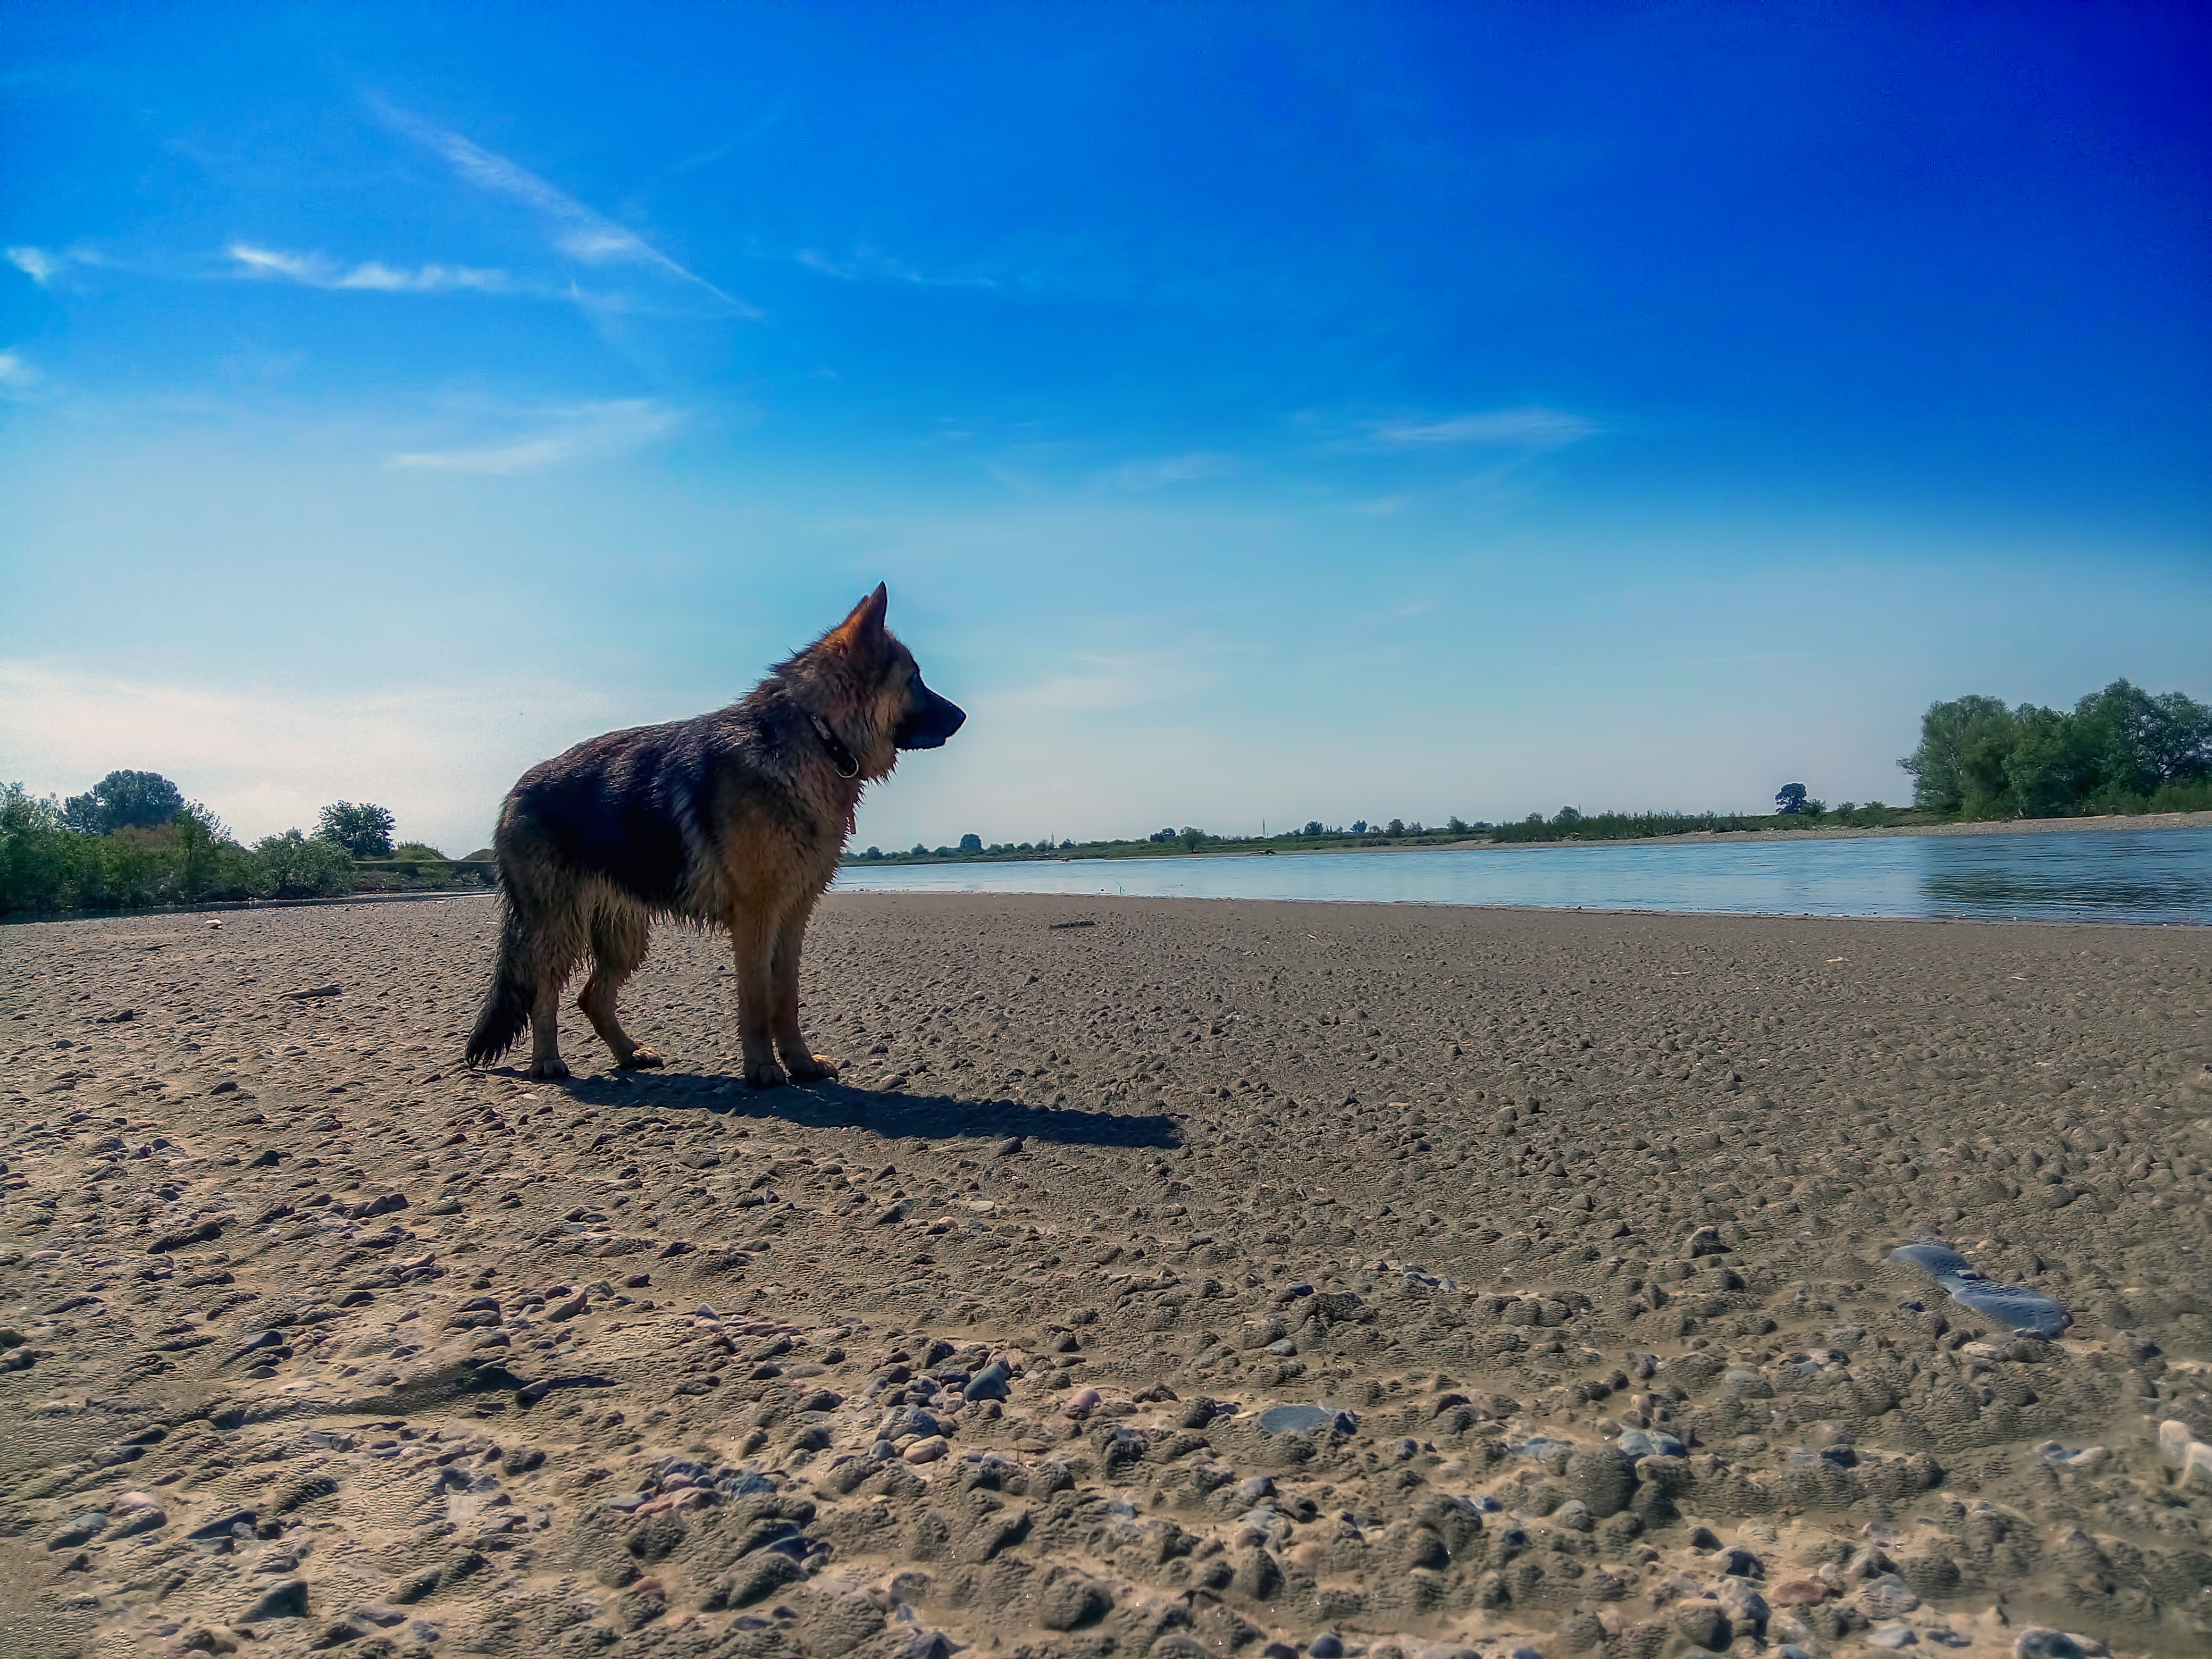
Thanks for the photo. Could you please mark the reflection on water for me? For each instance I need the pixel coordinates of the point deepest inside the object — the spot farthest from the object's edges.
(2105, 875)
(2086, 874)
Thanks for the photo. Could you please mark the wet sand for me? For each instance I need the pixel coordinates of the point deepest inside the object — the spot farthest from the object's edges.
(1572, 1231)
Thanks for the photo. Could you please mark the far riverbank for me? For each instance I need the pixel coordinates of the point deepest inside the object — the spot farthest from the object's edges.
(2136, 822)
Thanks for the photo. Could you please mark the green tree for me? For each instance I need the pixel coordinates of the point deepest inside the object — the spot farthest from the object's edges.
(971, 843)
(1790, 798)
(294, 866)
(1959, 766)
(363, 830)
(123, 800)
(2137, 742)
(40, 856)
(1192, 839)
(217, 831)
(2112, 751)
(2053, 764)
(2174, 739)
(196, 860)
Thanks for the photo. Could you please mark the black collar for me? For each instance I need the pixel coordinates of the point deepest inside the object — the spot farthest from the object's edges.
(847, 764)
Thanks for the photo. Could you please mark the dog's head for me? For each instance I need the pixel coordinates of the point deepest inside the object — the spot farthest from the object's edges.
(881, 698)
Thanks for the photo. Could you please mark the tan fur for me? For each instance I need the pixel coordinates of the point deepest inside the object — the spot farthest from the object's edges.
(735, 820)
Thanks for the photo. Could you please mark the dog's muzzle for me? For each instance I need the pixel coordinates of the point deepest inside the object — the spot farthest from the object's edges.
(930, 719)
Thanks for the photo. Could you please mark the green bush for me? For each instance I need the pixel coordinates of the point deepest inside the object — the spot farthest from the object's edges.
(294, 866)
(1642, 826)
(40, 866)
(2191, 796)
(362, 829)
(47, 866)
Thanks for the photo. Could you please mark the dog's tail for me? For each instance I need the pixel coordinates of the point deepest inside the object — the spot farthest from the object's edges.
(506, 1004)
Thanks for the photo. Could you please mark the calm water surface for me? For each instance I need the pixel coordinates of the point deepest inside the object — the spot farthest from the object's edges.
(2146, 876)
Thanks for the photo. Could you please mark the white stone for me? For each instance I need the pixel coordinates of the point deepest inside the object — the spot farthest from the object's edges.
(2197, 1470)
(2173, 1438)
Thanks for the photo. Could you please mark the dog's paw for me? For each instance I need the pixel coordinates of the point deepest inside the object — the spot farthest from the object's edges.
(551, 1069)
(643, 1059)
(767, 1074)
(811, 1068)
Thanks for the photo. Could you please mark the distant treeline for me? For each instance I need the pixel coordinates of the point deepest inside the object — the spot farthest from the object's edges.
(2120, 750)
(134, 840)
(2117, 750)
(1568, 824)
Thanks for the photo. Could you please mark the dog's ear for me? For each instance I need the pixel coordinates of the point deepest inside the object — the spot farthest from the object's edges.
(864, 629)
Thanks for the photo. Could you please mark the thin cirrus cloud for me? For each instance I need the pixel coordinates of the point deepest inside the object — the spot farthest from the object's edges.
(43, 265)
(372, 276)
(1193, 468)
(869, 264)
(38, 264)
(583, 432)
(578, 231)
(1502, 429)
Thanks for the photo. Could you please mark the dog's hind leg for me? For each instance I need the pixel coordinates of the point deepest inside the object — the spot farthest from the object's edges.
(799, 1059)
(553, 949)
(620, 933)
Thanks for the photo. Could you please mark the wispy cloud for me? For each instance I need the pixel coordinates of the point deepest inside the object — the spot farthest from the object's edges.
(36, 263)
(315, 270)
(44, 264)
(16, 376)
(582, 432)
(1533, 427)
(578, 231)
(1172, 470)
(868, 265)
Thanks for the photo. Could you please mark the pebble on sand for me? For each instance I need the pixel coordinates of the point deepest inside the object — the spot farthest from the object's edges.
(2014, 1306)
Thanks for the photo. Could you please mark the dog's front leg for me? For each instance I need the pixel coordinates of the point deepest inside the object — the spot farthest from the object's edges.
(798, 1056)
(753, 940)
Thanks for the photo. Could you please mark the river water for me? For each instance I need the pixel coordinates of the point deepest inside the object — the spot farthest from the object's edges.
(2091, 875)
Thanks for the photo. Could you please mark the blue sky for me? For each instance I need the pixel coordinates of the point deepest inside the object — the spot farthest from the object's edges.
(1258, 412)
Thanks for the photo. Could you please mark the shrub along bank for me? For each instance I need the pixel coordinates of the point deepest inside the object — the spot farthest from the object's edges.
(46, 865)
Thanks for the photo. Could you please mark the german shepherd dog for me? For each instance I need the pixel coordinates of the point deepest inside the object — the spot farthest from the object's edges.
(735, 819)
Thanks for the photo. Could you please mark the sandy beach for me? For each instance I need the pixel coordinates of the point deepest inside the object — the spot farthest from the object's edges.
(1161, 1278)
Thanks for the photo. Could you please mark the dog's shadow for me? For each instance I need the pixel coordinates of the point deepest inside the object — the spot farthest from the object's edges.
(890, 1114)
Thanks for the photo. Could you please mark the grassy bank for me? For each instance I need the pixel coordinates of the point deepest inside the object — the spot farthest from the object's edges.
(1567, 824)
